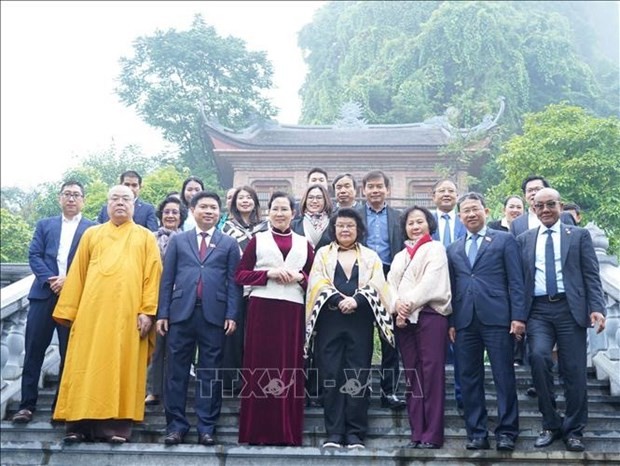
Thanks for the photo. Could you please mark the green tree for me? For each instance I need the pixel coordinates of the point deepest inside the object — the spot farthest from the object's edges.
(175, 79)
(16, 236)
(578, 153)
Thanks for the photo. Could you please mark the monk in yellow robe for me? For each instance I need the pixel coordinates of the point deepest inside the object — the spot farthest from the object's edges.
(110, 300)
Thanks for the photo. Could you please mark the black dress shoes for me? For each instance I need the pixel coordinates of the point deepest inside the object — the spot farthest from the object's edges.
(574, 444)
(23, 416)
(173, 438)
(393, 402)
(505, 443)
(546, 438)
(206, 440)
(412, 444)
(478, 444)
(427, 446)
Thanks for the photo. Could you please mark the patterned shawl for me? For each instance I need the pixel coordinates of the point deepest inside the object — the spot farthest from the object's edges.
(371, 285)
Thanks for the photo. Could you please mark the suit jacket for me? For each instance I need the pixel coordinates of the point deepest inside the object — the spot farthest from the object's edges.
(221, 296)
(521, 223)
(459, 228)
(580, 271)
(44, 251)
(143, 214)
(493, 287)
(394, 234)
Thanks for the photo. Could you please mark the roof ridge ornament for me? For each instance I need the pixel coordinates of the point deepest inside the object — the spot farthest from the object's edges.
(351, 117)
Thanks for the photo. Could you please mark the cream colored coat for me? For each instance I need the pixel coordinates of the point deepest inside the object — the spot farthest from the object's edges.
(423, 281)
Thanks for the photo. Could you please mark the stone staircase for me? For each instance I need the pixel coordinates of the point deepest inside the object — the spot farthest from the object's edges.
(40, 442)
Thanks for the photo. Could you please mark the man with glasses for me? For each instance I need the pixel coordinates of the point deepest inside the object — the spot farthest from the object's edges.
(51, 252)
(144, 213)
(564, 298)
(530, 186)
(109, 300)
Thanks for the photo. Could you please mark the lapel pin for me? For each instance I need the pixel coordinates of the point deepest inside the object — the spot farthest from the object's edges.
(488, 238)
(567, 230)
(211, 245)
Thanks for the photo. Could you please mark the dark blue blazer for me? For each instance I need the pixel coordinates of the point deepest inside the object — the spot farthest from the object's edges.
(44, 250)
(521, 223)
(221, 296)
(493, 287)
(394, 234)
(143, 214)
(580, 271)
(459, 228)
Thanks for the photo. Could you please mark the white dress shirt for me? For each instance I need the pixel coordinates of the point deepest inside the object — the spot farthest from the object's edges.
(67, 232)
(441, 224)
(540, 284)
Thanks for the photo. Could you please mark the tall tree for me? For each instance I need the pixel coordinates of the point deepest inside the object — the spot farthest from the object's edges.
(174, 77)
(578, 153)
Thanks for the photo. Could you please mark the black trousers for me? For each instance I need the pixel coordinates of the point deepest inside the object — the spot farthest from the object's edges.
(343, 355)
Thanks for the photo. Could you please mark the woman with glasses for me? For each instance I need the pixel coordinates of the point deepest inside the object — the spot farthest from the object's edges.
(316, 208)
(347, 296)
(420, 277)
(171, 214)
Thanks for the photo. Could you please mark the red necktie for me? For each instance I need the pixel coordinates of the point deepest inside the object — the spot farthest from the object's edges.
(203, 254)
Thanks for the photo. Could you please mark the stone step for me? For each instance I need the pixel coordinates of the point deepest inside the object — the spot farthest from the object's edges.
(38, 452)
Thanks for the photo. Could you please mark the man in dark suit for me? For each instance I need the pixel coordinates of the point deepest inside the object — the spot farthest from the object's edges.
(385, 238)
(488, 312)
(564, 294)
(530, 186)
(198, 305)
(449, 229)
(51, 252)
(144, 213)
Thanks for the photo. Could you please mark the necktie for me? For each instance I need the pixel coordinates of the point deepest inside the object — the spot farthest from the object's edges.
(447, 237)
(550, 278)
(202, 254)
(473, 249)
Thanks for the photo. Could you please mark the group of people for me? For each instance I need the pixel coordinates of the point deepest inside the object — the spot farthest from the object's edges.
(256, 305)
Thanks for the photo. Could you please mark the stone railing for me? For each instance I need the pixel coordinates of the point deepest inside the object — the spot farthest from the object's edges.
(13, 312)
(604, 348)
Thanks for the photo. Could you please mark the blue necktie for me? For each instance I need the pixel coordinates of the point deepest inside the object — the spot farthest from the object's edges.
(473, 249)
(550, 278)
(447, 238)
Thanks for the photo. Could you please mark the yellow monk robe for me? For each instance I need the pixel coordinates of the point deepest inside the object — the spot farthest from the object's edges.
(114, 277)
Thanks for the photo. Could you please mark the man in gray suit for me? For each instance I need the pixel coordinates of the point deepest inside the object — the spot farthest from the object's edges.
(564, 295)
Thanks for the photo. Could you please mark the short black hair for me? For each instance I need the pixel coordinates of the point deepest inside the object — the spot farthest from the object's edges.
(373, 175)
(341, 176)
(347, 212)
(185, 183)
(316, 170)
(471, 196)
(172, 200)
(202, 195)
(572, 206)
(278, 194)
(534, 178)
(131, 174)
(71, 183)
(430, 219)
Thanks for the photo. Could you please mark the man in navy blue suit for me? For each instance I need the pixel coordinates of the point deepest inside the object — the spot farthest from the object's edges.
(144, 213)
(198, 305)
(564, 296)
(51, 251)
(449, 229)
(488, 312)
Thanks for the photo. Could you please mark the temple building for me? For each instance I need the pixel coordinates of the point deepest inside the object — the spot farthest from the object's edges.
(269, 156)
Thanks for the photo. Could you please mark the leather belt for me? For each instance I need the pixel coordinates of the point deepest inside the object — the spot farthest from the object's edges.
(198, 303)
(550, 299)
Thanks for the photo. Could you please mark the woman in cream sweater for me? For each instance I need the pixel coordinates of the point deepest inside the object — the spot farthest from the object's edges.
(420, 277)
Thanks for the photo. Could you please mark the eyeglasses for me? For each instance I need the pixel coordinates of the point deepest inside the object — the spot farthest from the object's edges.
(69, 195)
(473, 210)
(346, 226)
(535, 189)
(548, 205)
(315, 198)
(171, 212)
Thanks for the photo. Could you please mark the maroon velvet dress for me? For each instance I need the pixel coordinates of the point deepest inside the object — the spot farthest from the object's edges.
(272, 398)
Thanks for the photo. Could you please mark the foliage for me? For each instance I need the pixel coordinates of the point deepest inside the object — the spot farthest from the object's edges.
(578, 153)
(16, 236)
(176, 77)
